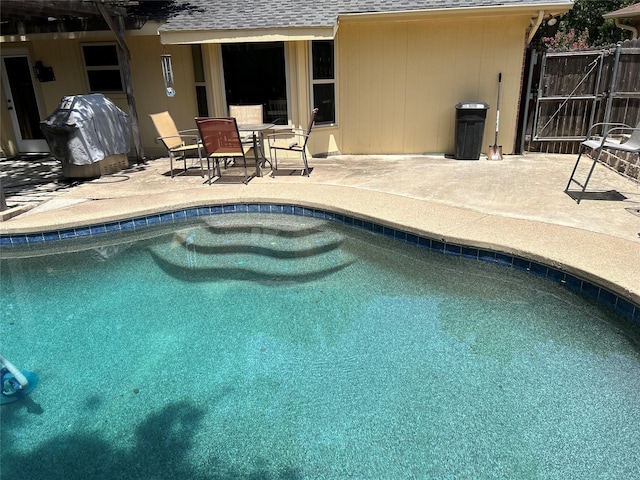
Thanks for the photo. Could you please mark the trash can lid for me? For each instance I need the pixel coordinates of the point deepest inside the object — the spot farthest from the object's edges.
(472, 106)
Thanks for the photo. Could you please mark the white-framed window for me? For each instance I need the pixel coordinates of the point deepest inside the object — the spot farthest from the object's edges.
(201, 83)
(323, 81)
(255, 74)
(102, 65)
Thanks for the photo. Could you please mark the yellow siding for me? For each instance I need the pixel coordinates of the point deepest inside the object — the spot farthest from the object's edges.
(65, 56)
(149, 91)
(400, 81)
(66, 59)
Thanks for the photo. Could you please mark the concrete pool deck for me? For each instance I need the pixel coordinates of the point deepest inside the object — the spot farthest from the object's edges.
(516, 206)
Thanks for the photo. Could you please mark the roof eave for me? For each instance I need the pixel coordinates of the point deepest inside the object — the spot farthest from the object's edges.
(172, 37)
(269, 34)
(551, 8)
(613, 15)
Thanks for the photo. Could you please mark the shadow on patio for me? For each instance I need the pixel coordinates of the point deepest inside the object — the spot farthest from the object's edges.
(31, 179)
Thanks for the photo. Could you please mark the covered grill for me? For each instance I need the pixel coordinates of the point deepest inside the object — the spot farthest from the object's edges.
(89, 134)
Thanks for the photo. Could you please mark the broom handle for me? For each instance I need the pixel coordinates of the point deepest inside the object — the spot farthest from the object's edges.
(498, 108)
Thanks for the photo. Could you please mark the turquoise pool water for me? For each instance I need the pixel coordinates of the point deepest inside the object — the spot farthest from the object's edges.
(281, 347)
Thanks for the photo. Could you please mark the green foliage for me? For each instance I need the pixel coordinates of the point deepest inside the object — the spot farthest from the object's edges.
(585, 15)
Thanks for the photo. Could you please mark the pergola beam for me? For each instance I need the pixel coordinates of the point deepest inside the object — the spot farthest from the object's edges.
(115, 21)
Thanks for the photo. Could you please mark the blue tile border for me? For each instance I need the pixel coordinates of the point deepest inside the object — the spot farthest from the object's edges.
(621, 305)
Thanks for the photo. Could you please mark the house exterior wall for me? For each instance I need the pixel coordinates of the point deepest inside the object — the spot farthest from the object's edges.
(324, 138)
(65, 56)
(149, 90)
(399, 81)
(297, 55)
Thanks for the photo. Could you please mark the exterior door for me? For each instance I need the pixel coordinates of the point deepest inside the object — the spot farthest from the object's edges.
(22, 103)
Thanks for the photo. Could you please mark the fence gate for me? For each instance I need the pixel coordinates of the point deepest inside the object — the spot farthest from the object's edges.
(567, 92)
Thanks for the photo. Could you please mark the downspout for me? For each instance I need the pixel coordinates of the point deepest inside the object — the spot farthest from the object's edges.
(535, 24)
(633, 30)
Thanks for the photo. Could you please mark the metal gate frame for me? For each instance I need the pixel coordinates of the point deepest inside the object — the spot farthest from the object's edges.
(533, 130)
(539, 134)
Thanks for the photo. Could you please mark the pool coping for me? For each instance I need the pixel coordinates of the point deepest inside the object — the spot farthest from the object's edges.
(595, 287)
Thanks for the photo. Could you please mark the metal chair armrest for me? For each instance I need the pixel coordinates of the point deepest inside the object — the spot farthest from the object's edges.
(603, 142)
(187, 133)
(606, 131)
(621, 130)
(599, 143)
(293, 133)
(195, 137)
(288, 131)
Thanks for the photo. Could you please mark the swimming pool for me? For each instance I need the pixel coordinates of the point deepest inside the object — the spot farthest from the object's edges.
(272, 346)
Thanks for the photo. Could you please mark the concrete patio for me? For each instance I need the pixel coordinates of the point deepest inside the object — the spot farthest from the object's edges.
(516, 206)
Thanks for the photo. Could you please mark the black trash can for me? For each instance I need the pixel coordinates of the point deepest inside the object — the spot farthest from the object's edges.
(470, 119)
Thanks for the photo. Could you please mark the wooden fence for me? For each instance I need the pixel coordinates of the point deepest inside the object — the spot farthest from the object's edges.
(567, 92)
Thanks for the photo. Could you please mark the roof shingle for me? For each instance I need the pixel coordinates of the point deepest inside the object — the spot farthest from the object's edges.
(258, 14)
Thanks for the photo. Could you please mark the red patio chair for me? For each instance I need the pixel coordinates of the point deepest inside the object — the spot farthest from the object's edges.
(221, 141)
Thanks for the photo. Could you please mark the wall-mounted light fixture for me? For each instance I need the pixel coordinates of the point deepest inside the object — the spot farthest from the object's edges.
(552, 21)
(43, 74)
(167, 74)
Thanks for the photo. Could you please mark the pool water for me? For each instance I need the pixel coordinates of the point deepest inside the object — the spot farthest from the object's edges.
(282, 347)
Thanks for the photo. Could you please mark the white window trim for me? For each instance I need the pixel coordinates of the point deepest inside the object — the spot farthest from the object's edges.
(102, 67)
(324, 81)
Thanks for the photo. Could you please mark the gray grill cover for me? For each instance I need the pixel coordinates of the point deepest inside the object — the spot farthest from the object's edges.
(85, 129)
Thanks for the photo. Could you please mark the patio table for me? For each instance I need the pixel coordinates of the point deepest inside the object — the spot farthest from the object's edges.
(257, 131)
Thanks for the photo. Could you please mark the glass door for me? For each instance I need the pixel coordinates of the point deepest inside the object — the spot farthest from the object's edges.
(22, 103)
(254, 74)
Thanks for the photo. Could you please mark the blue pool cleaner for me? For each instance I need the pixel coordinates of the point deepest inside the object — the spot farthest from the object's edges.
(15, 384)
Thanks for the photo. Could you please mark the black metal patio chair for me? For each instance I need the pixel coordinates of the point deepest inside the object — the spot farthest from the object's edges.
(597, 143)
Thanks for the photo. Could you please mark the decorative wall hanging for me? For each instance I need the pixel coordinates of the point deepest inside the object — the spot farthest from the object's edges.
(167, 74)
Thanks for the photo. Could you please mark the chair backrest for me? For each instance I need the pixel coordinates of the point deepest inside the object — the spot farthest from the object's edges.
(277, 111)
(634, 139)
(246, 114)
(278, 107)
(220, 136)
(312, 121)
(167, 130)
